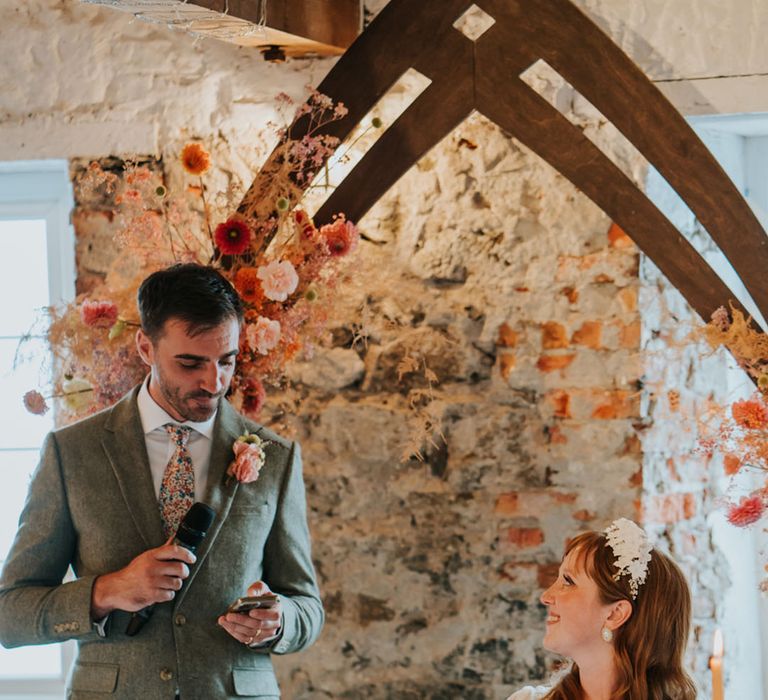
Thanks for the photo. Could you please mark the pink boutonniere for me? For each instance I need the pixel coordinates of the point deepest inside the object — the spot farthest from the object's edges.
(249, 458)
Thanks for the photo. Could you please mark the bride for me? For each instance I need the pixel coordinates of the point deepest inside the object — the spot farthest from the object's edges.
(621, 611)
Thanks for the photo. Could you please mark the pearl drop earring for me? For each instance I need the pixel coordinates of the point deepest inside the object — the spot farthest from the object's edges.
(607, 635)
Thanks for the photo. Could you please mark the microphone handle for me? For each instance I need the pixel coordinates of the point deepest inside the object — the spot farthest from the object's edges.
(138, 620)
(140, 617)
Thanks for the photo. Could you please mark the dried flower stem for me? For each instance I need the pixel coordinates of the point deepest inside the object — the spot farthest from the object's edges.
(206, 213)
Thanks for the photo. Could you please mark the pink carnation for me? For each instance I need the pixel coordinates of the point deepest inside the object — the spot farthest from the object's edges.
(749, 510)
(341, 236)
(34, 402)
(278, 280)
(249, 459)
(263, 335)
(98, 314)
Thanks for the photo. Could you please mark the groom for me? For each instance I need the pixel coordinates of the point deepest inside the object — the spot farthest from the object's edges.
(108, 495)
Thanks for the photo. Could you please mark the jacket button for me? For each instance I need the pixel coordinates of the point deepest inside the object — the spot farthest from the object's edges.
(166, 674)
(181, 620)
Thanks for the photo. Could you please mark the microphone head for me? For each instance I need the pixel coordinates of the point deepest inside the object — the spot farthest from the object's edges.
(194, 525)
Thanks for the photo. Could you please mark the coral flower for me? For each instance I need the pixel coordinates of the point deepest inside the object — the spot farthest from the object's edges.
(263, 335)
(749, 510)
(195, 159)
(278, 280)
(248, 286)
(232, 237)
(341, 236)
(750, 414)
(731, 464)
(98, 314)
(34, 402)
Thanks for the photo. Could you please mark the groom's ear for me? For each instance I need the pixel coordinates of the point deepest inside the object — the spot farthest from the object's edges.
(144, 347)
(620, 613)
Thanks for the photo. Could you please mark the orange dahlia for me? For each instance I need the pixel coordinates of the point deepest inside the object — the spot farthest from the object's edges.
(731, 464)
(750, 414)
(195, 159)
(248, 285)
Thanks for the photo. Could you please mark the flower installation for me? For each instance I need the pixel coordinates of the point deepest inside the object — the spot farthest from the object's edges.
(284, 268)
(741, 437)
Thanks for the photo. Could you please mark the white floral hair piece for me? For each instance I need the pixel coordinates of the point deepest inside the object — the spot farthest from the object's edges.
(632, 550)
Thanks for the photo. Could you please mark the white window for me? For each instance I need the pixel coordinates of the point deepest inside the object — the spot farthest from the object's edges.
(740, 144)
(36, 269)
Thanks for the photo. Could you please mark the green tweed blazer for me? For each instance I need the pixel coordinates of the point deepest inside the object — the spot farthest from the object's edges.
(92, 506)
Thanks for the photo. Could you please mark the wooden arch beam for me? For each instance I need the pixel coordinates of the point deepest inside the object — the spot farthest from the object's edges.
(407, 139)
(575, 47)
(485, 75)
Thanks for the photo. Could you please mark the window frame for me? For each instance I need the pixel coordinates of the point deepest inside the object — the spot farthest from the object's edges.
(43, 190)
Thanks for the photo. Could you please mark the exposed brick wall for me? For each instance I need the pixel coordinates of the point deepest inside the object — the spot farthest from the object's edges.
(539, 401)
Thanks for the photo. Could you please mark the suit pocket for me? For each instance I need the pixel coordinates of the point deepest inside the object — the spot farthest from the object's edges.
(94, 678)
(255, 683)
(249, 509)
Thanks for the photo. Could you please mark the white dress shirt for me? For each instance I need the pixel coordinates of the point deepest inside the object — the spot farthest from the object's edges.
(160, 447)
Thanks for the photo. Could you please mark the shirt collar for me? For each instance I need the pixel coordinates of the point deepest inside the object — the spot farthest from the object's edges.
(154, 417)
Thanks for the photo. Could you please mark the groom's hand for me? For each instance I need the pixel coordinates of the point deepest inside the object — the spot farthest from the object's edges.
(257, 626)
(152, 577)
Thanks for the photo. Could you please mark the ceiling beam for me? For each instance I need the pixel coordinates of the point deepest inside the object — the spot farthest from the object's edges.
(298, 27)
(333, 23)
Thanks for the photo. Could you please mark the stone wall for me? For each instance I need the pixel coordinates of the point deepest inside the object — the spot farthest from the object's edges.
(432, 570)
(682, 382)
(483, 266)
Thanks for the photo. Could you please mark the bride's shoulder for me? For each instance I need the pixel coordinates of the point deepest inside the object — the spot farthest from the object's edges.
(530, 693)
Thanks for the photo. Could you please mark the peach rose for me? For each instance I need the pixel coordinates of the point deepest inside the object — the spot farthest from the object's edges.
(249, 459)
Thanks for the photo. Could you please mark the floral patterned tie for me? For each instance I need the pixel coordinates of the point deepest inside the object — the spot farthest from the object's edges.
(177, 490)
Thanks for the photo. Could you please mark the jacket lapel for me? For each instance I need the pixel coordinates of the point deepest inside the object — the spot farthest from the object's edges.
(124, 444)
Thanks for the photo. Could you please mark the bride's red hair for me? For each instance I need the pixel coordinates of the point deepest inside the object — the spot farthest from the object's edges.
(650, 645)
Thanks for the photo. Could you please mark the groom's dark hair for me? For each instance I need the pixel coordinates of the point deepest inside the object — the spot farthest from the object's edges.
(196, 294)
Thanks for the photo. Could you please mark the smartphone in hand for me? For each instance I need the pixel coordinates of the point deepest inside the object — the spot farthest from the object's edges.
(246, 603)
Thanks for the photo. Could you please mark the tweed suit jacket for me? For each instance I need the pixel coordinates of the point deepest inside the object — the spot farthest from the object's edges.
(92, 506)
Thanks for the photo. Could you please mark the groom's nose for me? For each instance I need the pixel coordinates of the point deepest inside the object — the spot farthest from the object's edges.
(212, 380)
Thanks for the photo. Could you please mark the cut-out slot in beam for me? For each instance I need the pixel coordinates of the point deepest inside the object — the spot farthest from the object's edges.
(363, 137)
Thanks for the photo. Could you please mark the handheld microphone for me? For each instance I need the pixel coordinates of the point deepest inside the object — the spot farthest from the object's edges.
(192, 531)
